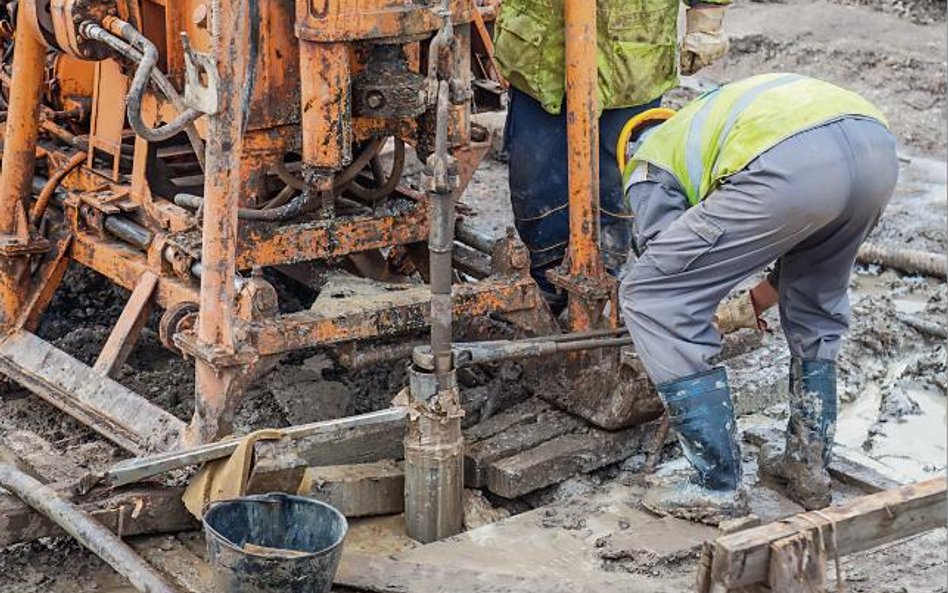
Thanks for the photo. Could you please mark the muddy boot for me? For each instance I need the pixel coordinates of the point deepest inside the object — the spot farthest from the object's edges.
(801, 463)
(701, 413)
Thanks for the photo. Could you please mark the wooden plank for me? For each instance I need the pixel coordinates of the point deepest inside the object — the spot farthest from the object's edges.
(114, 411)
(358, 490)
(385, 575)
(136, 511)
(743, 558)
(797, 565)
(560, 458)
(279, 465)
(125, 334)
(512, 416)
(520, 437)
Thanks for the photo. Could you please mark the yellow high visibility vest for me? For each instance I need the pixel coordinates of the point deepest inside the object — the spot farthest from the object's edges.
(719, 133)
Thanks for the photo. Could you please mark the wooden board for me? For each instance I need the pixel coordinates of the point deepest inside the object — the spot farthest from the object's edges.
(517, 438)
(559, 458)
(114, 411)
(135, 511)
(358, 490)
(743, 558)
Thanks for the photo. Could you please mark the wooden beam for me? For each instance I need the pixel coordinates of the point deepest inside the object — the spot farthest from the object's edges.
(743, 558)
(560, 458)
(544, 427)
(358, 489)
(114, 411)
(125, 334)
(136, 511)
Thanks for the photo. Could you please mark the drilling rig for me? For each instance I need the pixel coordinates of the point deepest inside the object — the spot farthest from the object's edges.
(188, 150)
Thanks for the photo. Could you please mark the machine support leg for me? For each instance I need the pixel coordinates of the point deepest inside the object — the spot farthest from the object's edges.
(583, 144)
(19, 159)
(215, 395)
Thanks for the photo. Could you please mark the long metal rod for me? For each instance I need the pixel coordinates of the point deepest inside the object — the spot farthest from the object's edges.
(138, 469)
(582, 129)
(216, 396)
(19, 159)
(87, 531)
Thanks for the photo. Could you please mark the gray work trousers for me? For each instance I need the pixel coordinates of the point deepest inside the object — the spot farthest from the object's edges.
(807, 203)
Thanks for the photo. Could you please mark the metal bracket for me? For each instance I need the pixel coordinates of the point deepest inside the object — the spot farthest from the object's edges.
(588, 288)
(202, 80)
(217, 357)
(13, 246)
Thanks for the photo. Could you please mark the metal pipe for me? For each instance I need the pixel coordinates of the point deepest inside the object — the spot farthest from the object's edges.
(19, 159)
(42, 201)
(217, 389)
(469, 236)
(440, 243)
(95, 31)
(582, 129)
(87, 531)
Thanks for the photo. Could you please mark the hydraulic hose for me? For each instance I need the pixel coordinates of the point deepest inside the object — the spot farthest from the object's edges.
(146, 55)
(374, 194)
(42, 201)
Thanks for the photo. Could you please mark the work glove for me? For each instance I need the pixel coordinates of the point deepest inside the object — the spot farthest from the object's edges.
(737, 313)
(704, 42)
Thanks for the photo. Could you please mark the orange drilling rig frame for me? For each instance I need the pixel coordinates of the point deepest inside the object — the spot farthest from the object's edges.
(190, 149)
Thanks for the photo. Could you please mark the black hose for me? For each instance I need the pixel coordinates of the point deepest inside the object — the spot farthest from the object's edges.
(374, 194)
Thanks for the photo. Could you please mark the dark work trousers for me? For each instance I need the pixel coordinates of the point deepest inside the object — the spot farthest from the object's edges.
(535, 142)
(807, 203)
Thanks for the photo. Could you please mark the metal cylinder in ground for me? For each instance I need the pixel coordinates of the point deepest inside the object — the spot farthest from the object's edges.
(434, 445)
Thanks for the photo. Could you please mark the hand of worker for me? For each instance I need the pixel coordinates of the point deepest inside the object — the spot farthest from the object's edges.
(705, 42)
(738, 313)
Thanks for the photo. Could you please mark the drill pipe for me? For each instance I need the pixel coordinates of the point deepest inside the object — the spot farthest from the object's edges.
(87, 531)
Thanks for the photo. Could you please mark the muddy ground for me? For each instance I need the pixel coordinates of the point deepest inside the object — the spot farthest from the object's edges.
(892, 378)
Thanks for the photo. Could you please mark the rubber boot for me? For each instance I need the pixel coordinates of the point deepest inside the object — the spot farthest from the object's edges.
(802, 462)
(701, 412)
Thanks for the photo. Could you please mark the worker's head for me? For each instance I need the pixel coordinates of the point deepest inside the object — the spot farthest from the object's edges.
(636, 130)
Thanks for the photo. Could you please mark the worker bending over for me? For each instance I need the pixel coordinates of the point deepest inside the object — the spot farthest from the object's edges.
(638, 55)
(775, 167)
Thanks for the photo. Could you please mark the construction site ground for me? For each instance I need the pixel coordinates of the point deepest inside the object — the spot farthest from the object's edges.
(591, 528)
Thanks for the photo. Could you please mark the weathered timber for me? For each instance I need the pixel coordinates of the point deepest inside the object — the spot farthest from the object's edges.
(743, 558)
(85, 529)
(520, 437)
(797, 565)
(281, 464)
(385, 575)
(358, 490)
(512, 416)
(842, 468)
(117, 413)
(560, 458)
(128, 328)
(135, 511)
(338, 430)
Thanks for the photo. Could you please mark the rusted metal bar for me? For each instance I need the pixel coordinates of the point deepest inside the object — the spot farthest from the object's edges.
(216, 388)
(582, 103)
(406, 311)
(86, 530)
(468, 353)
(19, 159)
(117, 413)
(128, 328)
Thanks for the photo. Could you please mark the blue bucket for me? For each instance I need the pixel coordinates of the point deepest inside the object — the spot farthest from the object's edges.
(274, 543)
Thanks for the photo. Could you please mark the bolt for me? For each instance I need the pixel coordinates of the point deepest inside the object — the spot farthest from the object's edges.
(375, 99)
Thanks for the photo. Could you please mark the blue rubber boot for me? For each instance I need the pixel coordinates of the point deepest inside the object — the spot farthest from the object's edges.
(702, 414)
(803, 461)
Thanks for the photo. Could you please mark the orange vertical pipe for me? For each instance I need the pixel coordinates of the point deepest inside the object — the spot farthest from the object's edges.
(19, 158)
(327, 145)
(582, 128)
(214, 388)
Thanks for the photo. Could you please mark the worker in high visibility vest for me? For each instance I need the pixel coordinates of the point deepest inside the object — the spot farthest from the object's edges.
(774, 168)
(638, 59)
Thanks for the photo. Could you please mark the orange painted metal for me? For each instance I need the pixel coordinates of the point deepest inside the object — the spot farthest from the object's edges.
(19, 156)
(582, 100)
(327, 142)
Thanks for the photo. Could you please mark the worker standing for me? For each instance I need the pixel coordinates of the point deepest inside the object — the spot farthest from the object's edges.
(637, 49)
(777, 167)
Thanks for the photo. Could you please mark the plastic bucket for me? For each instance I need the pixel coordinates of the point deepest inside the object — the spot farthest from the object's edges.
(274, 543)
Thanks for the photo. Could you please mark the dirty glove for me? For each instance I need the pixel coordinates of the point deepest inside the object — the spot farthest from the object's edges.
(705, 42)
(737, 313)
